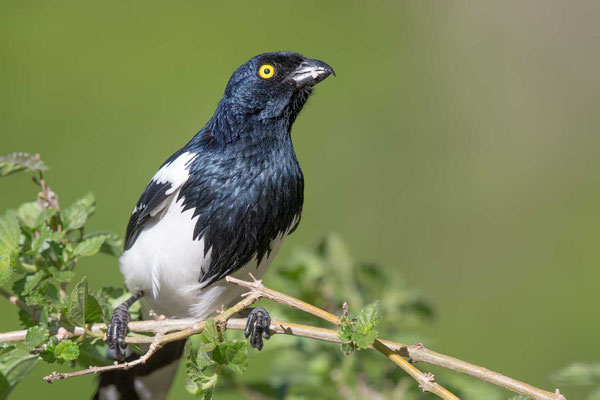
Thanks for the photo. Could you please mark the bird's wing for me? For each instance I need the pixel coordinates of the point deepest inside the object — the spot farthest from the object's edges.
(160, 191)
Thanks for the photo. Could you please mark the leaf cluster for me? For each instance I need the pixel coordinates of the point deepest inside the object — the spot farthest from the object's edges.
(40, 245)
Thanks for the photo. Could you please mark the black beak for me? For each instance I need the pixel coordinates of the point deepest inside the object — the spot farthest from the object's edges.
(311, 72)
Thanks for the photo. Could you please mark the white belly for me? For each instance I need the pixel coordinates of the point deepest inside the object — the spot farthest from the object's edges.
(166, 263)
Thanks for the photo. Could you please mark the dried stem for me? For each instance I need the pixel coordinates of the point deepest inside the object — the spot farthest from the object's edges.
(167, 330)
(415, 353)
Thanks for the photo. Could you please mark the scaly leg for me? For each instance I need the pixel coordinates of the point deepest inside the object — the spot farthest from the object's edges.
(117, 328)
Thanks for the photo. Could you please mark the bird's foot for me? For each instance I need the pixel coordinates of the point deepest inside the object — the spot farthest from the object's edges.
(259, 317)
(117, 327)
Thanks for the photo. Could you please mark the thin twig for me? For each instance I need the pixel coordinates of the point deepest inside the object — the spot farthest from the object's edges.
(415, 353)
(187, 327)
(426, 380)
(159, 341)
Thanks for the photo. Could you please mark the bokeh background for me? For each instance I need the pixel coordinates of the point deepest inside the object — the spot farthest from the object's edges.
(459, 145)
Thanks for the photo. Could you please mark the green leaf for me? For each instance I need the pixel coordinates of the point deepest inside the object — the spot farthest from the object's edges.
(28, 213)
(113, 244)
(10, 234)
(232, 354)
(75, 215)
(93, 311)
(35, 337)
(44, 217)
(210, 336)
(15, 364)
(89, 247)
(16, 162)
(66, 351)
(360, 334)
(76, 304)
(28, 283)
(47, 353)
(46, 294)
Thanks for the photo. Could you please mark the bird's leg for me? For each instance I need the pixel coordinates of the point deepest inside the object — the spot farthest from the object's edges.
(117, 328)
(260, 318)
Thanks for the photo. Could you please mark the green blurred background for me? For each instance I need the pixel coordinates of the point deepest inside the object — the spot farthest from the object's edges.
(458, 144)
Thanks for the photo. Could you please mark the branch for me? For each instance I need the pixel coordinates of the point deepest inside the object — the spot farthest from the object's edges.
(415, 353)
(158, 341)
(175, 329)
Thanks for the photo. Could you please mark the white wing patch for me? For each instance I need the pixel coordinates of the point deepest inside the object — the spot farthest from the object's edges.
(176, 172)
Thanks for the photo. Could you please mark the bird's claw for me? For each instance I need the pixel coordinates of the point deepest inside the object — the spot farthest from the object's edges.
(117, 331)
(258, 326)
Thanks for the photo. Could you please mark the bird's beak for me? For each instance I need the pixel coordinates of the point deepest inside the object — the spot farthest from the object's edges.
(311, 72)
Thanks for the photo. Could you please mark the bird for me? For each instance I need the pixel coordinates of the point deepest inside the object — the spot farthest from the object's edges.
(221, 205)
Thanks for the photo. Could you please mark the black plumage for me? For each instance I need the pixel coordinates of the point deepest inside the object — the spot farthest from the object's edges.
(245, 185)
(222, 203)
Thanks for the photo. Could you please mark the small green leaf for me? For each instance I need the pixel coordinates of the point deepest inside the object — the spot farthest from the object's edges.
(47, 353)
(75, 215)
(93, 311)
(15, 364)
(35, 337)
(46, 294)
(210, 336)
(76, 304)
(44, 217)
(112, 245)
(28, 283)
(28, 213)
(10, 234)
(89, 247)
(232, 354)
(360, 334)
(66, 351)
(16, 162)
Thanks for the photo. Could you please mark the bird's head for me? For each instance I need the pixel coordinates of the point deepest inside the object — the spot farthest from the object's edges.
(270, 88)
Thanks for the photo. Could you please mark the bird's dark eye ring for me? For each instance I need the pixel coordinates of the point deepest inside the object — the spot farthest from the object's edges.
(266, 71)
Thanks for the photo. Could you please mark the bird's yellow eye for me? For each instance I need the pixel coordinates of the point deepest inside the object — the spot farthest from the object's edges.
(266, 71)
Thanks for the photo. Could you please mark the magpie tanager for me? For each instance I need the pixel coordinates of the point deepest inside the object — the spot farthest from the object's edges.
(221, 205)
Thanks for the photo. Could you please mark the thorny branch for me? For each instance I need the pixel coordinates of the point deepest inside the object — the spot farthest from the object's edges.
(166, 331)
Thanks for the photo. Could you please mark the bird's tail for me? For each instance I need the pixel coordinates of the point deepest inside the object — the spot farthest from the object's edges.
(149, 381)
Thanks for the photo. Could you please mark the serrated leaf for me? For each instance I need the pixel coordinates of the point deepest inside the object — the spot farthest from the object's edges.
(232, 354)
(28, 283)
(210, 335)
(46, 294)
(361, 333)
(35, 337)
(66, 351)
(15, 364)
(113, 244)
(368, 318)
(75, 216)
(16, 162)
(10, 234)
(47, 353)
(89, 247)
(61, 276)
(76, 304)
(93, 311)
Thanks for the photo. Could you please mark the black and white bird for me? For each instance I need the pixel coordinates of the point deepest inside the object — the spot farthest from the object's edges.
(221, 205)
